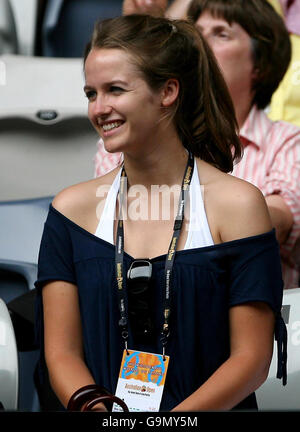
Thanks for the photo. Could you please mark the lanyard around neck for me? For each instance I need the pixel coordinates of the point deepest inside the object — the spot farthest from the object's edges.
(119, 254)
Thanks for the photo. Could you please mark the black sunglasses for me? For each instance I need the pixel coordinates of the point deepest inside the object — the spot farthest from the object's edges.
(140, 300)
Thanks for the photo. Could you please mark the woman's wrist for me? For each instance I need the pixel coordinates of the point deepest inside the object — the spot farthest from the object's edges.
(94, 398)
(84, 395)
(100, 407)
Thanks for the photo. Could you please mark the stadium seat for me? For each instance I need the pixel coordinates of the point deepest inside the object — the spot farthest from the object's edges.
(21, 227)
(272, 395)
(9, 370)
(46, 140)
(68, 24)
(8, 33)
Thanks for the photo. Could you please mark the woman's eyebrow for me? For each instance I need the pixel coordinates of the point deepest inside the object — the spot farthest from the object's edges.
(217, 27)
(87, 87)
(107, 84)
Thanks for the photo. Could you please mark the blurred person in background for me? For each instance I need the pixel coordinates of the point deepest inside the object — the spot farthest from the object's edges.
(285, 103)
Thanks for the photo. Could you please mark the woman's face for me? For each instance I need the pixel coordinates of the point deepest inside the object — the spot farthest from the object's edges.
(232, 47)
(122, 108)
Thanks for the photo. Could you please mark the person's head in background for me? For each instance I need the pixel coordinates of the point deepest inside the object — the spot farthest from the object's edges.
(251, 44)
(161, 52)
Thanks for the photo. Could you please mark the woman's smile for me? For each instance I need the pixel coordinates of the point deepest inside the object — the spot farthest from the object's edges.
(110, 127)
(122, 107)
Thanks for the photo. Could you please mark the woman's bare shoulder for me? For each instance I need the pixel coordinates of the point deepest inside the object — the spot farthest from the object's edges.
(79, 202)
(239, 207)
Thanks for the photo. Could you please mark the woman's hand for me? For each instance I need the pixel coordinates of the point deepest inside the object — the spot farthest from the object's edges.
(145, 7)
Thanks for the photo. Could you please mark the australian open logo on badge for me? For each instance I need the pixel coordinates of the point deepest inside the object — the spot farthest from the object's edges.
(141, 380)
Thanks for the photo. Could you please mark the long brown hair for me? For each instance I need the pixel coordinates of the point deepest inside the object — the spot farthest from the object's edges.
(163, 49)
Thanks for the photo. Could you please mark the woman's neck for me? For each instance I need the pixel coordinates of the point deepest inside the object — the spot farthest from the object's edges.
(242, 103)
(164, 165)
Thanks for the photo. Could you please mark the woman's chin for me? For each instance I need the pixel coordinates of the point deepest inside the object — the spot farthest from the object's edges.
(110, 148)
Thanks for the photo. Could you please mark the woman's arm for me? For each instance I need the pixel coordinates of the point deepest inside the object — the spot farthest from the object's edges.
(241, 211)
(63, 341)
(251, 345)
(281, 217)
(151, 7)
(177, 9)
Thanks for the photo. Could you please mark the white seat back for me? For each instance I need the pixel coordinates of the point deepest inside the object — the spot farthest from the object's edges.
(9, 369)
(272, 395)
(46, 140)
(8, 32)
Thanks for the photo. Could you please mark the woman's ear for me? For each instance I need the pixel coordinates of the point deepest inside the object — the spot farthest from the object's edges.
(170, 92)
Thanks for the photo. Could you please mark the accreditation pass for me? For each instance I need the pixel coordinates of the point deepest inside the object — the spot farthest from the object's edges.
(141, 380)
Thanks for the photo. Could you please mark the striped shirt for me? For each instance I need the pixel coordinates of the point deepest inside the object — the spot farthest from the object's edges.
(271, 161)
(104, 161)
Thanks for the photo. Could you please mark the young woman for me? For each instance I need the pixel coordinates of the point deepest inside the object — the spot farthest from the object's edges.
(209, 271)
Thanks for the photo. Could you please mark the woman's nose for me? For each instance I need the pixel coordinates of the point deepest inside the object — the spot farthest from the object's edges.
(101, 107)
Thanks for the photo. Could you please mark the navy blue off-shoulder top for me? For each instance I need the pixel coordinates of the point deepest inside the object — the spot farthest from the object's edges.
(206, 282)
